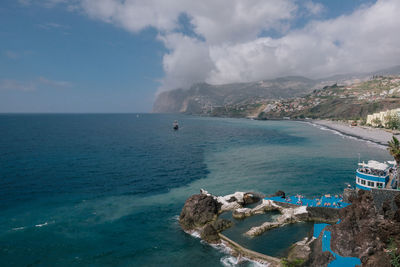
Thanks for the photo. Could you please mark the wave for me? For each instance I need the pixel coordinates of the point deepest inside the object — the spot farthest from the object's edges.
(43, 224)
(18, 228)
(229, 261)
(36, 225)
(195, 234)
(232, 261)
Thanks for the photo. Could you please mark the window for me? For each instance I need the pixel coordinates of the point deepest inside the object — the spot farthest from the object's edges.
(379, 185)
(371, 184)
(362, 181)
(358, 180)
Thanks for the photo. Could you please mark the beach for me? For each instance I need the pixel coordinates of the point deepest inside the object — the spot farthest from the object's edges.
(376, 135)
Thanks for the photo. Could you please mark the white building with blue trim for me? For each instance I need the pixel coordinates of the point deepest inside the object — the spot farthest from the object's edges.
(376, 175)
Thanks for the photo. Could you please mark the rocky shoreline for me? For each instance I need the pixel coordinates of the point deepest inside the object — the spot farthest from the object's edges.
(364, 231)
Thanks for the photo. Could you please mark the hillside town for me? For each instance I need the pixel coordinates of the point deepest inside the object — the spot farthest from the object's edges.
(375, 102)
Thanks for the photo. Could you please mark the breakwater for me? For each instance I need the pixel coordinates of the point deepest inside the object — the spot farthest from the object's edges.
(253, 255)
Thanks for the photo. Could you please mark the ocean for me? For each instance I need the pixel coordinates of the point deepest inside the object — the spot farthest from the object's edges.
(107, 189)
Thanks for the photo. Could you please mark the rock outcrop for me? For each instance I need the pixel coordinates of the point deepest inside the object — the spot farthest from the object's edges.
(318, 258)
(299, 252)
(198, 211)
(288, 215)
(251, 198)
(323, 214)
(278, 194)
(364, 232)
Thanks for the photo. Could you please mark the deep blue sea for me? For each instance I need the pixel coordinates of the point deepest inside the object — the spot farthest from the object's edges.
(106, 189)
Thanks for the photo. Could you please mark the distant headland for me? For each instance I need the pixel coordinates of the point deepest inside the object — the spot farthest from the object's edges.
(340, 97)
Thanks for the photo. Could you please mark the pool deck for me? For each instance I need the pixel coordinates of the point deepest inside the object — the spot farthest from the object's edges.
(329, 201)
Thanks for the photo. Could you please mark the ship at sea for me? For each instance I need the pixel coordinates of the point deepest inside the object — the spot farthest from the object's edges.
(175, 125)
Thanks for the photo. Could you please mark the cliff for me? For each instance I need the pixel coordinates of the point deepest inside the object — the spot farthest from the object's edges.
(338, 97)
(366, 232)
(203, 98)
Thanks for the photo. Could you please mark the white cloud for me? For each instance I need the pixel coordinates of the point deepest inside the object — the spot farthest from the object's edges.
(52, 25)
(217, 21)
(314, 8)
(224, 22)
(17, 85)
(366, 40)
(54, 83)
(45, 3)
(25, 2)
(11, 54)
(233, 50)
(26, 86)
(187, 62)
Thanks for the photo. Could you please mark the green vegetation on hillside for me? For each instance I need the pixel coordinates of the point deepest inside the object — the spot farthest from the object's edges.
(352, 102)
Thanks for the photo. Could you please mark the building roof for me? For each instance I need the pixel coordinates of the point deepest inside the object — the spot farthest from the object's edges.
(372, 164)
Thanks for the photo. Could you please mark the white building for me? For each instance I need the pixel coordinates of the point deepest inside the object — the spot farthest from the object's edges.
(382, 116)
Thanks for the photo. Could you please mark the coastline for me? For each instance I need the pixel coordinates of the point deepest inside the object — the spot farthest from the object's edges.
(374, 135)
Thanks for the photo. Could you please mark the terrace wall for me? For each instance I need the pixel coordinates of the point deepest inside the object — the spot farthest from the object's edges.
(382, 195)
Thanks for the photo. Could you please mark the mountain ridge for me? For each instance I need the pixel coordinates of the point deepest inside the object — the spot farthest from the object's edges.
(204, 98)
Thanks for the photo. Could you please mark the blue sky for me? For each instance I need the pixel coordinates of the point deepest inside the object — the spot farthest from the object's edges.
(106, 69)
(112, 56)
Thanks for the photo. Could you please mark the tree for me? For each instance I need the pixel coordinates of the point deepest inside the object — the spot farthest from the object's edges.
(376, 122)
(392, 121)
(394, 150)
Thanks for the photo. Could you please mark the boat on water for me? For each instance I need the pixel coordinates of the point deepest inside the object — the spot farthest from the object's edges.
(376, 175)
(175, 125)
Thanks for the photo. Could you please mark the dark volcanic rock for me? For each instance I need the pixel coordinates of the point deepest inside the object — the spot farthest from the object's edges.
(198, 210)
(349, 194)
(379, 259)
(232, 199)
(323, 214)
(318, 258)
(364, 233)
(210, 234)
(250, 198)
(358, 230)
(222, 224)
(298, 253)
(278, 194)
(396, 215)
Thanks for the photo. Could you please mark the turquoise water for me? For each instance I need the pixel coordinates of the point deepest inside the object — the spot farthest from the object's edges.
(101, 190)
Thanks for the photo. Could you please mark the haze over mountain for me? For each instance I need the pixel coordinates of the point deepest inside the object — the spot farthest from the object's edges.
(202, 98)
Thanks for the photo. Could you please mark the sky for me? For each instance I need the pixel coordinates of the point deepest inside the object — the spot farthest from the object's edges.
(106, 56)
